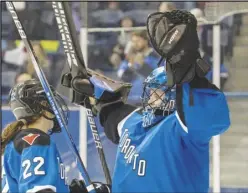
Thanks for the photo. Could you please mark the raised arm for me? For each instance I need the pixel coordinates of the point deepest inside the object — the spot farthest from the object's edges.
(202, 110)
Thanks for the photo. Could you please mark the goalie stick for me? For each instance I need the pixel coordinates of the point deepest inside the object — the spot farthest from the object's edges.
(49, 95)
(77, 67)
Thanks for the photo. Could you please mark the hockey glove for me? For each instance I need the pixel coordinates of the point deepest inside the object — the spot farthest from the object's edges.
(78, 186)
(101, 91)
(174, 36)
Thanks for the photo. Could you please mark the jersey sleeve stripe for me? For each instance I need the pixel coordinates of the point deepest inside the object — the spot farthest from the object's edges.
(39, 188)
(6, 188)
(120, 125)
(181, 123)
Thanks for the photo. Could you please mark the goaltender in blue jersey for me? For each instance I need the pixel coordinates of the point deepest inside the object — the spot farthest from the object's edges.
(163, 146)
(158, 152)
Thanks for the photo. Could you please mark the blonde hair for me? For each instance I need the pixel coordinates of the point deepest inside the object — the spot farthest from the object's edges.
(10, 131)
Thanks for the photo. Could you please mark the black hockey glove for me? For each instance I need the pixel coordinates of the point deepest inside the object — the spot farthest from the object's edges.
(100, 90)
(174, 36)
(78, 186)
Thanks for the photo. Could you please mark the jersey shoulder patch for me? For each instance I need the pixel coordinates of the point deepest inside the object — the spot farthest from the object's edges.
(29, 137)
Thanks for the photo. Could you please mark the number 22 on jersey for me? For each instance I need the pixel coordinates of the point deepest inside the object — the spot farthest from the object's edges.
(38, 163)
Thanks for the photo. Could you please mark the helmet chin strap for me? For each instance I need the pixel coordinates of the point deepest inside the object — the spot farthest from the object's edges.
(55, 124)
(51, 119)
(50, 131)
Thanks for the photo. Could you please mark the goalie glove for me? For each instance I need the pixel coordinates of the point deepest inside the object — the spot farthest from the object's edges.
(174, 36)
(78, 186)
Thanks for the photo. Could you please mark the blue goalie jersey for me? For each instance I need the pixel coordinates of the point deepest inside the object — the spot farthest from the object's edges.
(170, 156)
(32, 163)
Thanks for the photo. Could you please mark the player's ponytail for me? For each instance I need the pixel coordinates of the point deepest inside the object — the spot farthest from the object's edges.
(10, 131)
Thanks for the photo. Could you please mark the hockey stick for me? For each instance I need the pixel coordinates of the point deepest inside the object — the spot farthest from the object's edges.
(73, 51)
(49, 94)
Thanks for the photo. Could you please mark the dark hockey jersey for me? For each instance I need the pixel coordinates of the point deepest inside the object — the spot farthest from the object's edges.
(32, 163)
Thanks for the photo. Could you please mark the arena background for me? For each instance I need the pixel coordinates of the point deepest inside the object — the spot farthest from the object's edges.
(106, 27)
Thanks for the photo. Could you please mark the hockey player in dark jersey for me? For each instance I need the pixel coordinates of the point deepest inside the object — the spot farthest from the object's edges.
(164, 145)
(31, 161)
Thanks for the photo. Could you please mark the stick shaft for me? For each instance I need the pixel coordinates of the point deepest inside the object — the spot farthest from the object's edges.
(71, 45)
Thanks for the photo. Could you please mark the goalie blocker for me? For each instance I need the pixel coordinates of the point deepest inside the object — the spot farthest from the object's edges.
(99, 88)
(103, 93)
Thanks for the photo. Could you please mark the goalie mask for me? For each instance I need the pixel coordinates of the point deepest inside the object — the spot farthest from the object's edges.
(28, 101)
(158, 99)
